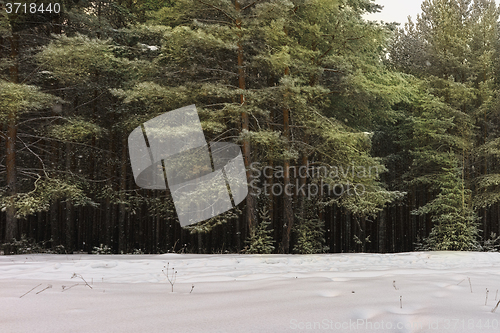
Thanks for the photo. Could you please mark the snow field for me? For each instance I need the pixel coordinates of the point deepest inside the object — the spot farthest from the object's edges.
(406, 292)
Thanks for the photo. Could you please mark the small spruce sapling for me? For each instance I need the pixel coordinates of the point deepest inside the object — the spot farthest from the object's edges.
(261, 242)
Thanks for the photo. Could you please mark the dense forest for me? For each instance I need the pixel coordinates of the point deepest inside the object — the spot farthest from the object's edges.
(385, 138)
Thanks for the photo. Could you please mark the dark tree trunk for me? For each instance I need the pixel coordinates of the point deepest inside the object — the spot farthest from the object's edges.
(287, 196)
(11, 174)
(70, 224)
(122, 246)
(245, 126)
(363, 233)
(54, 225)
(11, 228)
(54, 206)
(382, 247)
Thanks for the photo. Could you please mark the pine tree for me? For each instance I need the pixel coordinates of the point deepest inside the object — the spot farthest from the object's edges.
(290, 73)
(17, 100)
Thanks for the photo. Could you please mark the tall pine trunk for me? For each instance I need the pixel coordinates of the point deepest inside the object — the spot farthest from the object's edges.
(287, 196)
(70, 224)
(122, 246)
(10, 148)
(245, 126)
(11, 173)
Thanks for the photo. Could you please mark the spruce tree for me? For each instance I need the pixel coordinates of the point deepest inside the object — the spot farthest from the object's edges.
(455, 222)
(262, 241)
(309, 236)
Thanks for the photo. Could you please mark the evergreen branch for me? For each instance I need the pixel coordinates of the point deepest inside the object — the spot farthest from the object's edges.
(218, 9)
(221, 70)
(326, 52)
(76, 86)
(331, 47)
(219, 104)
(332, 70)
(23, 170)
(312, 148)
(220, 136)
(354, 38)
(40, 118)
(250, 5)
(213, 21)
(291, 126)
(30, 74)
(231, 86)
(92, 100)
(329, 93)
(66, 141)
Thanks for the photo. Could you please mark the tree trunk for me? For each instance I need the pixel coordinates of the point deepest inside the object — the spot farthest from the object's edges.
(10, 148)
(200, 242)
(287, 196)
(122, 246)
(382, 248)
(54, 206)
(69, 207)
(302, 183)
(54, 225)
(363, 234)
(245, 125)
(11, 173)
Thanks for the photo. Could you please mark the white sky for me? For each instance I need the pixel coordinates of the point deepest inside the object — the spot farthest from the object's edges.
(398, 10)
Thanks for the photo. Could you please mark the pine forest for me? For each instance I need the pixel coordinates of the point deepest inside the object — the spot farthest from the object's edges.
(356, 135)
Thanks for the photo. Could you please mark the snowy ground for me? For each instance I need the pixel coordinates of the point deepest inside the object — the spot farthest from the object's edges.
(407, 292)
